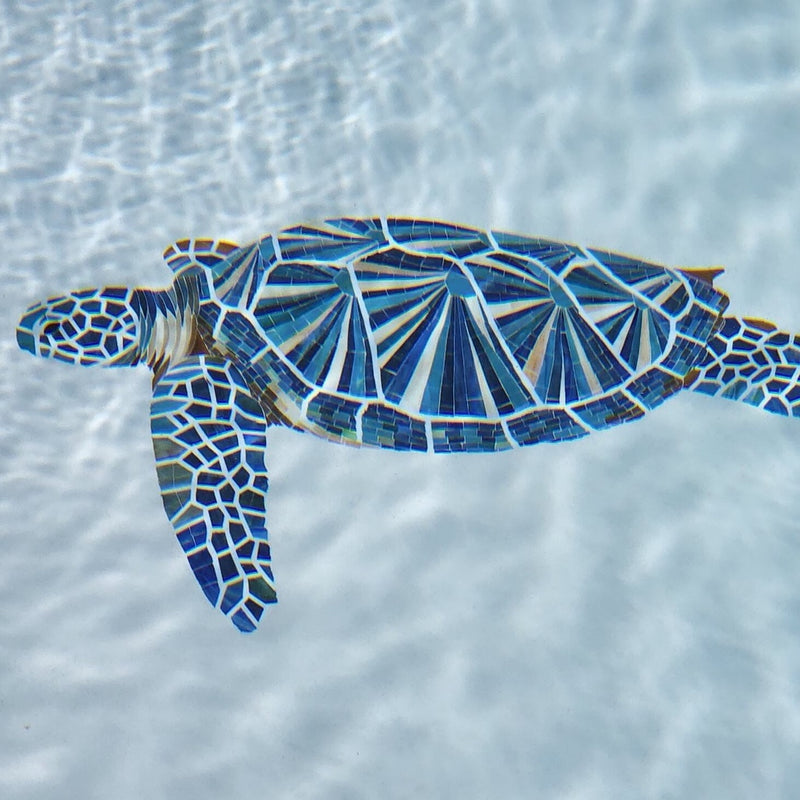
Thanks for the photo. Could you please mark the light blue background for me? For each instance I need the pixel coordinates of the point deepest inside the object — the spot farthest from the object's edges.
(612, 618)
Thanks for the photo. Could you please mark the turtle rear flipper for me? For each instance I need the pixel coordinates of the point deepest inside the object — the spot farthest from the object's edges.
(752, 361)
(209, 438)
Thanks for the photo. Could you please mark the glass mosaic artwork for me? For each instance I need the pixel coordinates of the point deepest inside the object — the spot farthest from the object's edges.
(405, 334)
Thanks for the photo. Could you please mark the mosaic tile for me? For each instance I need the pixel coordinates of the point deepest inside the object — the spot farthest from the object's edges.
(398, 333)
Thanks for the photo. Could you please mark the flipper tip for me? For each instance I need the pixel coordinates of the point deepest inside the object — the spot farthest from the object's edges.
(705, 274)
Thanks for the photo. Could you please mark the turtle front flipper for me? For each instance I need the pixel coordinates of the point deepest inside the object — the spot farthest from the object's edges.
(209, 438)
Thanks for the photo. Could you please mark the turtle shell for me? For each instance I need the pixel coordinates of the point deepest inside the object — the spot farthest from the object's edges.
(420, 334)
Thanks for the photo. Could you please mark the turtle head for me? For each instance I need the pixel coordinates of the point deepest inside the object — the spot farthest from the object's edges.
(90, 326)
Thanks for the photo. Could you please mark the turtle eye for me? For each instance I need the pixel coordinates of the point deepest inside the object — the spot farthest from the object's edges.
(60, 329)
(51, 329)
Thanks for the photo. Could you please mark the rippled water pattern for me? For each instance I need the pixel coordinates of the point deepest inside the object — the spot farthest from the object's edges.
(611, 618)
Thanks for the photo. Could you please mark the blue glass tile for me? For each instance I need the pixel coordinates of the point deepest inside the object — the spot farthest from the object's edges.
(468, 437)
(385, 427)
(610, 410)
(546, 425)
(653, 387)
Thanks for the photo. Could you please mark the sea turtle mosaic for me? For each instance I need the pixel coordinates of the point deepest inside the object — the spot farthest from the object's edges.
(404, 334)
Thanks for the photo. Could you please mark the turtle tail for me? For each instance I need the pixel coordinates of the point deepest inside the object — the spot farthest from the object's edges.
(752, 361)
